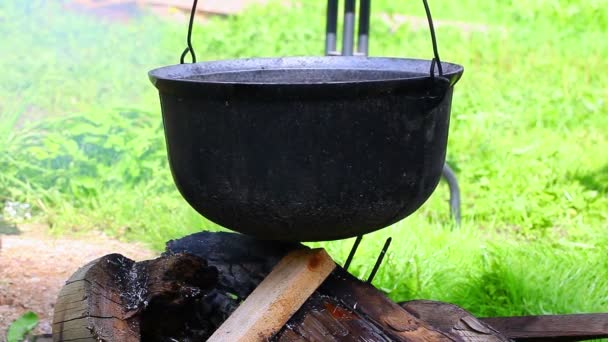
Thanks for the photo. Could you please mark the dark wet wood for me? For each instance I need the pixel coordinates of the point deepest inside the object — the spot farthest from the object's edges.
(242, 261)
(342, 309)
(372, 315)
(578, 327)
(113, 299)
(324, 318)
(103, 299)
(457, 321)
(363, 298)
(453, 320)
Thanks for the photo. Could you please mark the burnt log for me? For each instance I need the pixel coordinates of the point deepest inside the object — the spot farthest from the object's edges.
(346, 309)
(343, 308)
(453, 320)
(188, 293)
(457, 321)
(562, 328)
(115, 299)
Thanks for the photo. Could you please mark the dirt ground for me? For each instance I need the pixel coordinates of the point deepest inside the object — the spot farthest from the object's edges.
(34, 267)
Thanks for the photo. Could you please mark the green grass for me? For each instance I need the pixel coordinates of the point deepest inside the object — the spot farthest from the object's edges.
(81, 139)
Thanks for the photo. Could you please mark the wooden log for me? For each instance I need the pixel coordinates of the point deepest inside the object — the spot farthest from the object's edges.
(89, 306)
(201, 279)
(346, 309)
(453, 320)
(577, 327)
(103, 300)
(363, 298)
(323, 318)
(343, 308)
(277, 297)
(242, 261)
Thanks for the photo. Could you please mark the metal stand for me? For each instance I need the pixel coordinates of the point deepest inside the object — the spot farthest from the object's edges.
(348, 49)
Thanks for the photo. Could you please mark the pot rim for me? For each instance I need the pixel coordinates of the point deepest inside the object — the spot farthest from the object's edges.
(413, 69)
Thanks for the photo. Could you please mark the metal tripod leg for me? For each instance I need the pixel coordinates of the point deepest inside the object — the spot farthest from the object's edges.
(450, 177)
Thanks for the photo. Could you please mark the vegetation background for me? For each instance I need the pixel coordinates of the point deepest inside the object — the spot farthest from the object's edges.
(81, 139)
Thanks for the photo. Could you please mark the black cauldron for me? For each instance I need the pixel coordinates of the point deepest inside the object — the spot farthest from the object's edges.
(306, 148)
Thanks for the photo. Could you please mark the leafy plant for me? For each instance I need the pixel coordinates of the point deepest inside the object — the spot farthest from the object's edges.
(21, 327)
(87, 153)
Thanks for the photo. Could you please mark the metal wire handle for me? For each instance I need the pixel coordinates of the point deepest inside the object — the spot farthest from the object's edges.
(190, 49)
(436, 59)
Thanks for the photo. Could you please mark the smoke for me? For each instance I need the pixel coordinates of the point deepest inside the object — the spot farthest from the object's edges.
(77, 111)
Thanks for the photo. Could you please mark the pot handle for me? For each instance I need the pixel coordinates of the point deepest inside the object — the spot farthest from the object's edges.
(189, 48)
(435, 61)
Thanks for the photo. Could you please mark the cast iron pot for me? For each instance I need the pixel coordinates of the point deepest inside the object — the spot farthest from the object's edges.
(306, 148)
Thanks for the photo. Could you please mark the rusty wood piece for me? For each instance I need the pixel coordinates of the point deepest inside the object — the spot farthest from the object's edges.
(277, 297)
(363, 298)
(578, 327)
(453, 321)
(323, 318)
(104, 299)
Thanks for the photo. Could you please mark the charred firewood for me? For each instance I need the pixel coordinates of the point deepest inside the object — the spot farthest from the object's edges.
(187, 293)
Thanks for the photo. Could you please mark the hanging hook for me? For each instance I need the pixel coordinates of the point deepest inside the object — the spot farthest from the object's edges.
(190, 49)
(353, 250)
(387, 243)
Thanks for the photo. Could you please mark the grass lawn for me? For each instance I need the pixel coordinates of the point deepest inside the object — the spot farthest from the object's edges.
(81, 139)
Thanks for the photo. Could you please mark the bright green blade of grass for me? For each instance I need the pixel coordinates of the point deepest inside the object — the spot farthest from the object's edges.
(21, 327)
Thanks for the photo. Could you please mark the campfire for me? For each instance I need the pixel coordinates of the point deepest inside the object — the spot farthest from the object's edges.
(284, 151)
